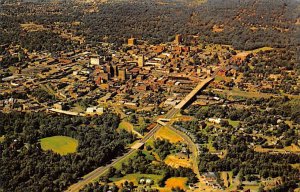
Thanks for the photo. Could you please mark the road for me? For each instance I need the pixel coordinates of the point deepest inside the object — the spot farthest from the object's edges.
(192, 147)
(189, 96)
(94, 175)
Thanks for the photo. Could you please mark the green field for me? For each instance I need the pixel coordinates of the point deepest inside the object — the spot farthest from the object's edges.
(233, 123)
(59, 144)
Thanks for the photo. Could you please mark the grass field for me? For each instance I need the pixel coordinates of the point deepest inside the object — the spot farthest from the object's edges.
(296, 166)
(175, 161)
(2, 139)
(135, 177)
(221, 78)
(210, 146)
(233, 123)
(168, 134)
(244, 54)
(238, 93)
(59, 144)
(128, 127)
(125, 125)
(32, 27)
(225, 177)
(176, 182)
(184, 118)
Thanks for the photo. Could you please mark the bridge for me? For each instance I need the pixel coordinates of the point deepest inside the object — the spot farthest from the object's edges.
(187, 98)
(94, 175)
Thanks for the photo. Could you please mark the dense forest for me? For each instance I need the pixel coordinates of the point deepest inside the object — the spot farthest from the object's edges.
(26, 167)
(245, 25)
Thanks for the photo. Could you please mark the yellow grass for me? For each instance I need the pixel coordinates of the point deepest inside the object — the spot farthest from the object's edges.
(176, 182)
(2, 139)
(296, 166)
(168, 134)
(175, 161)
(32, 27)
(243, 54)
(218, 28)
(59, 144)
(223, 176)
(239, 93)
(125, 125)
(184, 118)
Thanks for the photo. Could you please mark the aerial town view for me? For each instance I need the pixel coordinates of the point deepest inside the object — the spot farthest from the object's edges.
(149, 95)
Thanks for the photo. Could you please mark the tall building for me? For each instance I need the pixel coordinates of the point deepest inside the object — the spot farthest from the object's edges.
(141, 61)
(116, 70)
(178, 39)
(132, 41)
(122, 74)
(110, 70)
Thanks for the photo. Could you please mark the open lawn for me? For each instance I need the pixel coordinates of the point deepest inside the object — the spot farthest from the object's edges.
(225, 177)
(2, 139)
(233, 123)
(168, 134)
(59, 144)
(210, 146)
(184, 118)
(126, 125)
(176, 182)
(176, 161)
(135, 178)
(296, 166)
(243, 54)
(78, 108)
(235, 92)
(221, 78)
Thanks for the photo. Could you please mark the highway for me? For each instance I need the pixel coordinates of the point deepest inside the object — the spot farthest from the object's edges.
(94, 175)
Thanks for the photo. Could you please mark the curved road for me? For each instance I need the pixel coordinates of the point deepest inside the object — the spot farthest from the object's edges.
(94, 175)
(192, 146)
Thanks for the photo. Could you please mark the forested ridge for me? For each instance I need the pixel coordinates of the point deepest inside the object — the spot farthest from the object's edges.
(244, 24)
(26, 167)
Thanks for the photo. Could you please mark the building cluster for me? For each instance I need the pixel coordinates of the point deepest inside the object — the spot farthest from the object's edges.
(134, 75)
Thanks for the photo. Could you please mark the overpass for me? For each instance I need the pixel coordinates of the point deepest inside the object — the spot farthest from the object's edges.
(94, 175)
(187, 98)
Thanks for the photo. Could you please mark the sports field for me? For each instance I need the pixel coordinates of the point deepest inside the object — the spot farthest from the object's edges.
(59, 144)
